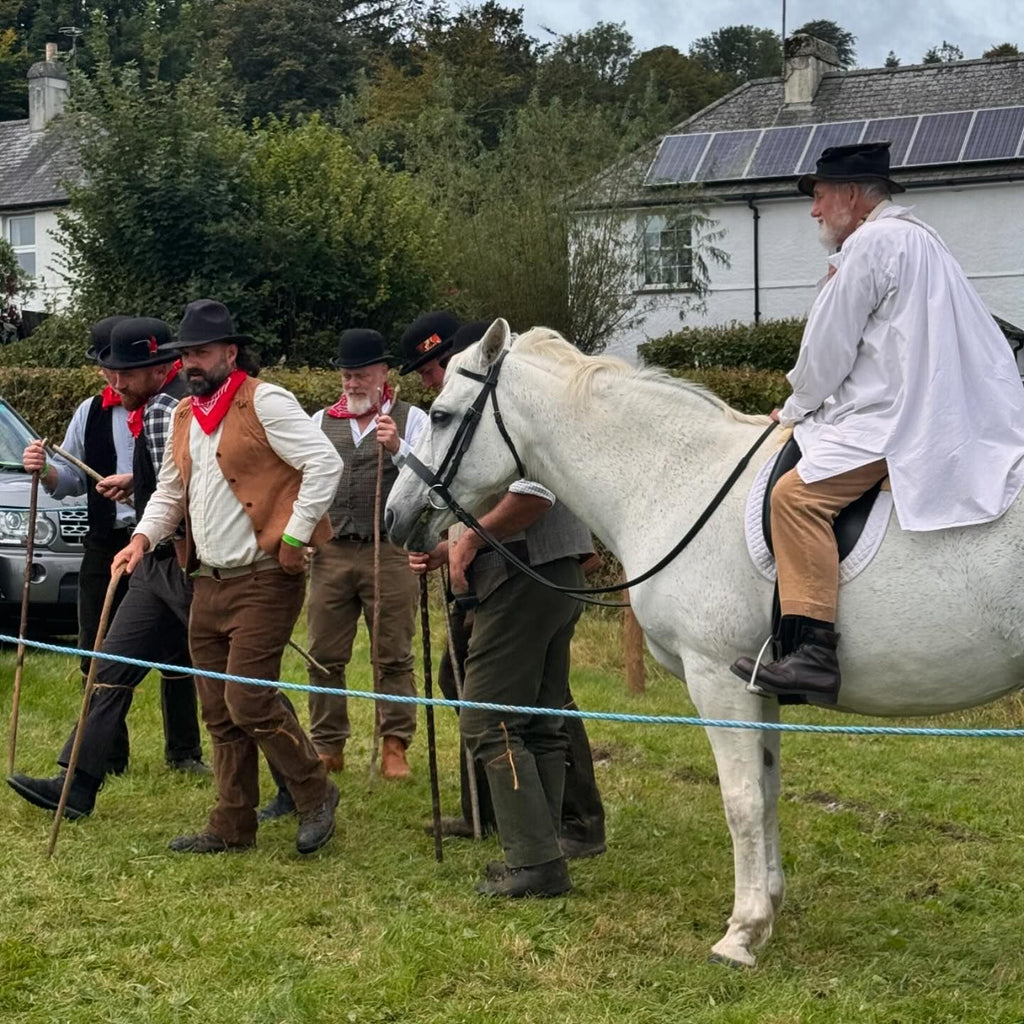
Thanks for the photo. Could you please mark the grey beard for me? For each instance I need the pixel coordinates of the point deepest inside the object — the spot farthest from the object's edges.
(358, 406)
(205, 385)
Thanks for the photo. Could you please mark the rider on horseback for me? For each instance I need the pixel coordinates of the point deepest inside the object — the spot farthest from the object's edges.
(902, 373)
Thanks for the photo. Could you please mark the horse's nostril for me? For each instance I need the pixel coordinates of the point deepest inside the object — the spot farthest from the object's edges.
(389, 519)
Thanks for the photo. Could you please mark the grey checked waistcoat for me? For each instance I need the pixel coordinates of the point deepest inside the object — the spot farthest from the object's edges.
(351, 512)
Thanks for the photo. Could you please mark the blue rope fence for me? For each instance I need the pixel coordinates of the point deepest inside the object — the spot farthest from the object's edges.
(598, 716)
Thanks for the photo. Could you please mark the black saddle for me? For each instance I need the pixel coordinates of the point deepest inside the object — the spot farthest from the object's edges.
(849, 524)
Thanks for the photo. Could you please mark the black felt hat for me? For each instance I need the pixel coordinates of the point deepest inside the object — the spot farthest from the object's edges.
(137, 342)
(865, 161)
(99, 336)
(466, 335)
(359, 347)
(207, 322)
(427, 337)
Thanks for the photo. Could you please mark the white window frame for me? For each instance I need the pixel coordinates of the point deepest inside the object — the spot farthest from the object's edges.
(23, 250)
(666, 262)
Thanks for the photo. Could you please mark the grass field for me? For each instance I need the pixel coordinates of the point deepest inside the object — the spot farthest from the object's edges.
(904, 861)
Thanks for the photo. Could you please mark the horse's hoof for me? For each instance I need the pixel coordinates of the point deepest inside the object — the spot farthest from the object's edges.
(727, 961)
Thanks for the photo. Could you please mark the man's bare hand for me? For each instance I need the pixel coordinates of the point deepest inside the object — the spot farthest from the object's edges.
(129, 557)
(116, 487)
(460, 557)
(774, 415)
(34, 457)
(423, 561)
(387, 434)
(293, 560)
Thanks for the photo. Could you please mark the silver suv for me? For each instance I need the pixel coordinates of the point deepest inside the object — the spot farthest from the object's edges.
(60, 529)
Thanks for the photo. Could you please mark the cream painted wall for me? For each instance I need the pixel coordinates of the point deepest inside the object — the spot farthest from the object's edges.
(52, 291)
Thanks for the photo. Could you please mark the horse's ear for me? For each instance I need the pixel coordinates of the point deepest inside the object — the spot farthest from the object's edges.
(495, 340)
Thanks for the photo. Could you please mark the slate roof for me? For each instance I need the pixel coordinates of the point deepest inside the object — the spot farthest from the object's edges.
(32, 165)
(852, 96)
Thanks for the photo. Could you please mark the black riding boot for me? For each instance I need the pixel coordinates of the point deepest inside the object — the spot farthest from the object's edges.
(811, 671)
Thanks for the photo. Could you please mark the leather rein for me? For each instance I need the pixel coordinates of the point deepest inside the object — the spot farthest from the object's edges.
(439, 495)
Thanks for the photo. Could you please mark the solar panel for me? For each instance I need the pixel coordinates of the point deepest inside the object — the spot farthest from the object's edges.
(728, 155)
(779, 151)
(677, 159)
(897, 130)
(843, 133)
(995, 134)
(940, 138)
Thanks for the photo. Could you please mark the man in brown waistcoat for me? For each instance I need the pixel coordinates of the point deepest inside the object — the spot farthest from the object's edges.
(341, 582)
(253, 479)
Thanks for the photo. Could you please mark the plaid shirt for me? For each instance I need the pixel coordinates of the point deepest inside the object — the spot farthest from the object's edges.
(156, 425)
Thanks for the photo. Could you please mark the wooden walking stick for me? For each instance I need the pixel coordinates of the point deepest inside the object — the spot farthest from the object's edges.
(374, 638)
(428, 692)
(30, 546)
(474, 795)
(87, 470)
(90, 685)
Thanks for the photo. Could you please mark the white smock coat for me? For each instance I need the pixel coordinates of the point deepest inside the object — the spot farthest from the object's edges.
(901, 360)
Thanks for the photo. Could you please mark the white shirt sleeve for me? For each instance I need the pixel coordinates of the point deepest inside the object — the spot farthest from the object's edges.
(414, 424)
(318, 418)
(304, 446)
(836, 325)
(70, 479)
(166, 508)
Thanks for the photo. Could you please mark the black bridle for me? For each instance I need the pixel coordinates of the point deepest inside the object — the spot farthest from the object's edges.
(439, 483)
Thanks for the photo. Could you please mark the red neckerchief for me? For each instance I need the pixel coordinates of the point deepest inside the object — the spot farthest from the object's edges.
(135, 420)
(135, 417)
(340, 408)
(209, 411)
(110, 397)
(172, 374)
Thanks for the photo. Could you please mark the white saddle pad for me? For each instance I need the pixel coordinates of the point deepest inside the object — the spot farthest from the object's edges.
(855, 562)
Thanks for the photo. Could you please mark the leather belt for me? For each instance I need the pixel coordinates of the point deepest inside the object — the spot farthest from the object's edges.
(264, 565)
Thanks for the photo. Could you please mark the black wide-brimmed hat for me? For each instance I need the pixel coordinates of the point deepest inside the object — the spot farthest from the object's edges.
(466, 335)
(359, 347)
(865, 161)
(207, 322)
(135, 343)
(99, 336)
(427, 337)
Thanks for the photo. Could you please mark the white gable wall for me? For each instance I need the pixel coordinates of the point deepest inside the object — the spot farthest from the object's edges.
(982, 225)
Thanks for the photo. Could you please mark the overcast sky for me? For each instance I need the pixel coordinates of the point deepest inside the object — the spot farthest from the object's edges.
(918, 24)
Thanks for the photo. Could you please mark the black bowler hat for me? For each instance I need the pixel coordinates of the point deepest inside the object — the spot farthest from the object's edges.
(466, 335)
(137, 342)
(866, 161)
(206, 322)
(359, 347)
(427, 337)
(99, 336)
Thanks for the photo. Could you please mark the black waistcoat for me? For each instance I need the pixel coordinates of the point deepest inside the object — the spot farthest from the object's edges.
(99, 453)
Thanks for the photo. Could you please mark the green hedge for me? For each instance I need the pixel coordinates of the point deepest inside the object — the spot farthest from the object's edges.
(753, 391)
(48, 397)
(769, 345)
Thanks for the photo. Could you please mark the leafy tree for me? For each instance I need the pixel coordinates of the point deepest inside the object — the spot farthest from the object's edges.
(14, 64)
(892, 61)
(14, 282)
(1003, 50)
(590, 65)
(743, 52)
(944, 54)
(832, 33)
(680, 84)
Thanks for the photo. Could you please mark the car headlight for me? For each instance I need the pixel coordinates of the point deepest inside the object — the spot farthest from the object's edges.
(14, 528)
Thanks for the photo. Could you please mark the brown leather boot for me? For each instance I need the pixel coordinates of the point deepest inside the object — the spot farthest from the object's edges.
(811, 671)
(333, 762)
(393, 764)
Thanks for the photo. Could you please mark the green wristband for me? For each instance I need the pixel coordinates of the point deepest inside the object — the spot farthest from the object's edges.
(291, 540)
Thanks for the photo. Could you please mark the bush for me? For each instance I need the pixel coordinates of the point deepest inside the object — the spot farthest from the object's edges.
(47, 397)
(769, 345)
(751, 391)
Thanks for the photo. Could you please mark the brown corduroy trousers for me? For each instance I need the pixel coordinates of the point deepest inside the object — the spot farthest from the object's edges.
(805, 546)
(241, 626)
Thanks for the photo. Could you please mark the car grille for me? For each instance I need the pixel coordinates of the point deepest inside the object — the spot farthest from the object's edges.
(74, 524)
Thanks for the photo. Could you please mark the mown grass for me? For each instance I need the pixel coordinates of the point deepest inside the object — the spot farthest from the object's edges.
(904, 863)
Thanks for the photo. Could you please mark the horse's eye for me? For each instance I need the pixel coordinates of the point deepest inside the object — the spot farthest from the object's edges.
(439, 417)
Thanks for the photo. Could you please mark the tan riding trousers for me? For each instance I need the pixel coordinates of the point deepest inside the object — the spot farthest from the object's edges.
(805, 546)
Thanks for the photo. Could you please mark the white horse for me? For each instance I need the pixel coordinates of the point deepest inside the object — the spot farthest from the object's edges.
(932, 625)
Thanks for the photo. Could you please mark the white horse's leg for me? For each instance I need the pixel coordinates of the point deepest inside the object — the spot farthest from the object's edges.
(771, 743)
(749, 796)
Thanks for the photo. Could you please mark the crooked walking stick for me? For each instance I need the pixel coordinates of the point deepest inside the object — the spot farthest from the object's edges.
(90, 685)
(87, 470)
(428, 692)
(474, 795)
(375, 636)
(30, 546)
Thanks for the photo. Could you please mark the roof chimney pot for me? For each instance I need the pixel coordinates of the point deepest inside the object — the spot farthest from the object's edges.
(47, 89)
(807, 60)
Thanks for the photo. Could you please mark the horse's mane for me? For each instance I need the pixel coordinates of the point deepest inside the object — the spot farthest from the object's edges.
(543, 346)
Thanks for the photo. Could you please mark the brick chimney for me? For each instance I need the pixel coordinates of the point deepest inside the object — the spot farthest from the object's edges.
(47, 89)
(807, 59)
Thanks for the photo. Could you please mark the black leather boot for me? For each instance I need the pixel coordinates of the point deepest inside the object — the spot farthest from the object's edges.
(551, 879)
(45, 793)
(811, 671)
